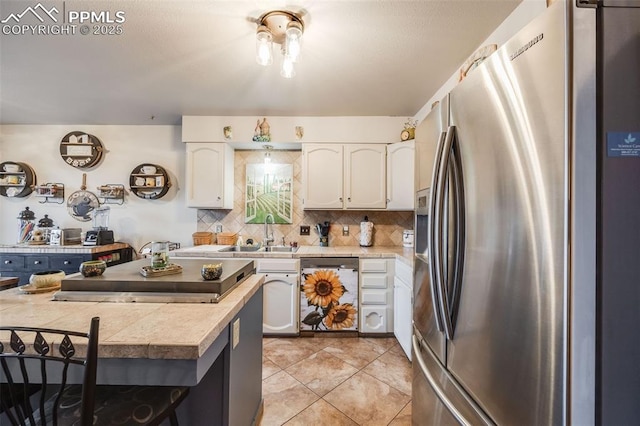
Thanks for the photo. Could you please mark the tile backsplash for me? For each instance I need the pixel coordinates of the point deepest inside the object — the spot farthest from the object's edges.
(388, 226)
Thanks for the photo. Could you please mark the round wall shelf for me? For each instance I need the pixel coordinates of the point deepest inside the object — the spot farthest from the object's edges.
(149, 181)
(81, 150)
(16, 179)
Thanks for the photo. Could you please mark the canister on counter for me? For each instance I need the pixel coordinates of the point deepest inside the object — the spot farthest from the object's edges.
(366, 232)
(159, 254)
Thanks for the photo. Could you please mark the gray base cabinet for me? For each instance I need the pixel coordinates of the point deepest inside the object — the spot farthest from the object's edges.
(22, 265)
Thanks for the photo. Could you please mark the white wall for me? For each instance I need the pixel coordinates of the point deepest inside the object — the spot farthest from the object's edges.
(135, 222)
(316, 129)
(522, 15)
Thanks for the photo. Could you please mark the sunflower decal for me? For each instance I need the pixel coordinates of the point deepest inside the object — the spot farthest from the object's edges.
(322, 290)
(340, 317)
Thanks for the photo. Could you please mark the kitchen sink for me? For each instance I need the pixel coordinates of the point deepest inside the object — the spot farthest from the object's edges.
(281, 249)
(240, 248)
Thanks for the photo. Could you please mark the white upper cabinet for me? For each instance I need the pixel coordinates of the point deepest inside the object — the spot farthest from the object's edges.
(349, 176)
(322, 176)
(365, 176)
(209, 175)
(400, 176)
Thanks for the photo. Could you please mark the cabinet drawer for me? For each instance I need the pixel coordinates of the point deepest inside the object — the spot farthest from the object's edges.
(374, 297)
(373, 265)
(278, 265)
(68, 264)
(373, 280)
(11, 262)
(36, 263)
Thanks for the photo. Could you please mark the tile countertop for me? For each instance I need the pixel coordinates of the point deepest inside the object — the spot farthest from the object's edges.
(404, 254)
(71, 249)
(133, 330)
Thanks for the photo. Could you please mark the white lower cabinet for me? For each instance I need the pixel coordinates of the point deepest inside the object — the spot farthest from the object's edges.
(281, 295)
(403, 306)
(376, 295)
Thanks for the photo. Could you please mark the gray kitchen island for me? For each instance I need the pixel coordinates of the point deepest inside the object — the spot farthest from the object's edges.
(215, 348)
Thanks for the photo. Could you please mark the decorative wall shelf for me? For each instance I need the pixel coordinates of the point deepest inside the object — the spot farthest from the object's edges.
(149, 181)
(81, 150)
(111, 193)
(50, 192)
(16, 179)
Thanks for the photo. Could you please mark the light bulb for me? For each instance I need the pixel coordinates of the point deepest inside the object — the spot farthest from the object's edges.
(287, 70)
(293, 40)
(264, 43)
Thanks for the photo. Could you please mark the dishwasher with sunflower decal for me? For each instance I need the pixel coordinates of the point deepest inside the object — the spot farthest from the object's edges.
(329, 294)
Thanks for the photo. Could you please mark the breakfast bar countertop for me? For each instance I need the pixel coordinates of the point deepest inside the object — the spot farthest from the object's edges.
(133, 330)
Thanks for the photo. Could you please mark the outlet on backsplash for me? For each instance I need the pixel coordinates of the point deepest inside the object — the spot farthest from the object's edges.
(305, 230)
(345, 231)
(218, 229)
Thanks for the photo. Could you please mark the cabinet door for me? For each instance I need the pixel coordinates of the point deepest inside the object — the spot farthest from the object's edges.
(374, 319)
(402, 314)
(209, 175)
(400, 176)
(322, 176)
(281, 292)
(365, 176)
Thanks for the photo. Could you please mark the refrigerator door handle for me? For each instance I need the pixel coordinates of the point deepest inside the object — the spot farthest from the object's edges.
(434, 385)
(459, 224)
(431, 233)
(440, 233)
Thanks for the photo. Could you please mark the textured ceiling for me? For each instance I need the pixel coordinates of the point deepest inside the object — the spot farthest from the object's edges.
(174, 58)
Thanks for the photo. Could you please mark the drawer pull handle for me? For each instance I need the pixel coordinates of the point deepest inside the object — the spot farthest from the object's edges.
(7, 262)
(36, 262)
(66, 262)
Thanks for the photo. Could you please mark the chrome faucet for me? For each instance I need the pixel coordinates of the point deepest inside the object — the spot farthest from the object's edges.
(268, 230)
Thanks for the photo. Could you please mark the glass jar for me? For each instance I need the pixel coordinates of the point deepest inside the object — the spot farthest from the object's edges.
(45, 225)
(159, 254)
(26, 223)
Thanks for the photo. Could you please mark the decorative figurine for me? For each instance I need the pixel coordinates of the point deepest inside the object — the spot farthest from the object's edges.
(227, 132)
(262, 132)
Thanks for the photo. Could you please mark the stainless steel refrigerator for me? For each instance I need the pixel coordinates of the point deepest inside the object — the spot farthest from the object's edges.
(526, 288)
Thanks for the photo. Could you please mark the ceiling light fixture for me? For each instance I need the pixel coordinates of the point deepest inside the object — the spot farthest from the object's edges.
(267, 155)
(284, 28)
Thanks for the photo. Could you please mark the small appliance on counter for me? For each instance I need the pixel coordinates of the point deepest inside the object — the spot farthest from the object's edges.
(366, 232)
(323, 231)
(100, 234)
(65, 237)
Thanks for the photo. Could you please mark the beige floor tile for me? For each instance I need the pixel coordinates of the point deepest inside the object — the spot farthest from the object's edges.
(403, 418)
(367, 400)
(284, 397)
(357, 352)
(321, 413)
(269, 368)
(287, 352)
(321, 372)
(392, 368)
(385, 343)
